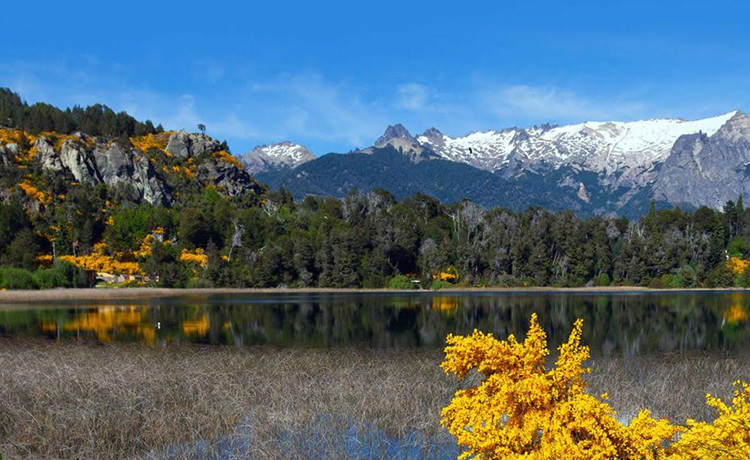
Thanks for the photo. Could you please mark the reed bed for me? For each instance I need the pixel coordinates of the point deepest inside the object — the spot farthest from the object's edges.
(85, 401)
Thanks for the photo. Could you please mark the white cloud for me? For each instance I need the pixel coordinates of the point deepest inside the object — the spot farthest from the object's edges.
(412, 96)
(307, 105)
(550, 103)
(328, 115)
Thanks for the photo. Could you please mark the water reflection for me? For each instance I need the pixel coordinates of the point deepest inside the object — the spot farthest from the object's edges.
(614, 323)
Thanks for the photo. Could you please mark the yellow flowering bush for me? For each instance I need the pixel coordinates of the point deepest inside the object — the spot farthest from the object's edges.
(198, 257)
(737, 265)
(727, 438)
(31, 190)
(11, 136)
(226, 157)
(522, 410)
(147, 243)
(153, 141)
(100, 261)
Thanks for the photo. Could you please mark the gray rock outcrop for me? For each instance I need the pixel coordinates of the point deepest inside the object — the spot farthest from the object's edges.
(189, 145)
(227, 177)
(400, 138)
(95, 161)
(79, 160)
(708, 170)
(118, 165)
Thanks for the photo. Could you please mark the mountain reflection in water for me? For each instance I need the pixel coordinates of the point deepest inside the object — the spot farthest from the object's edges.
(623, 323)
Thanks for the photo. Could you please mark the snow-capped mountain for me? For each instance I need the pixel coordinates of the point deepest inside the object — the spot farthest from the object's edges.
(399, 138)
(286, 154)
(625, 157)
(594, 167)
(603, 147)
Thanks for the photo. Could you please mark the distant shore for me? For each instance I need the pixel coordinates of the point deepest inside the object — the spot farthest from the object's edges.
(23, 296)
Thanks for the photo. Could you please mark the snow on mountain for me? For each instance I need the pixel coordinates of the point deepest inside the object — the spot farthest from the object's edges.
(276, 156)
(603, 147)
(598, 167)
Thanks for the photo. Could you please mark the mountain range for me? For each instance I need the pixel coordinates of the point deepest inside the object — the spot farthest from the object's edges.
(592, 167)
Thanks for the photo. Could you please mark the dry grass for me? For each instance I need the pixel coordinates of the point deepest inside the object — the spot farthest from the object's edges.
(74, 401)
(671, 386)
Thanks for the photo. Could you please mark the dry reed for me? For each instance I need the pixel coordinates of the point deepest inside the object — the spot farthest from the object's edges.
(82, 401)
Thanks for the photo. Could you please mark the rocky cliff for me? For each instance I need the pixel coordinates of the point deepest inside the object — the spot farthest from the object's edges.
(153, 168)
(710, 170)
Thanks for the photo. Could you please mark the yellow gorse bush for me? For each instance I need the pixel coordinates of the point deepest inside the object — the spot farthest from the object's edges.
(737, 265)
(522, 410)
(227, 157)
(153, 141)
(198, 257)
(101, 261)
(728, 437)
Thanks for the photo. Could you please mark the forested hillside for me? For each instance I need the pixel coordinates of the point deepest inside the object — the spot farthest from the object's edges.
(94, 120)
(177, 209)
(370, 240)
(389, 169)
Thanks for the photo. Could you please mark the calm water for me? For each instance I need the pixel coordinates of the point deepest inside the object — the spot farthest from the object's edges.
(616, 323)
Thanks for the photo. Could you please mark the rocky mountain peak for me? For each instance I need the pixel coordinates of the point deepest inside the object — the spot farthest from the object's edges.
(548, 126)
(286, 154)
(432, 133)
(392, 132)
(737, 127)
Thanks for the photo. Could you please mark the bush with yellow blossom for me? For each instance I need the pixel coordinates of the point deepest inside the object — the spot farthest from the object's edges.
(737, 265)
(522, 410)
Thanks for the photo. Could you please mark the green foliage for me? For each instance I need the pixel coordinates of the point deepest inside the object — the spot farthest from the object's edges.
(400, 282)
(737, 247)
(367, 239)
(62, 274)
(95, 120)
(49, 278)
(23, 249)
(370, 240)
(12, 220)
(672, 281)
(129, 227)
(164, 267)
(16, 278)
(437, 285)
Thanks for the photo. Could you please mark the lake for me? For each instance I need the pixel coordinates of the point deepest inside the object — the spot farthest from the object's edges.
(614, 323)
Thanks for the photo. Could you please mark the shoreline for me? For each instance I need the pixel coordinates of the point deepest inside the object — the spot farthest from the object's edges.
(67, 294)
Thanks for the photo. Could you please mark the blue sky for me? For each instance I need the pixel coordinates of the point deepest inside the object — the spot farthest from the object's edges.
(332, 75)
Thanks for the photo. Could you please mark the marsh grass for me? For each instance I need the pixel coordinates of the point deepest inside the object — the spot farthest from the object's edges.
(73, 400)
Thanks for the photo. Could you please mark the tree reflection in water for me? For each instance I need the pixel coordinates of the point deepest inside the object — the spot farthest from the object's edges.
(628, 324)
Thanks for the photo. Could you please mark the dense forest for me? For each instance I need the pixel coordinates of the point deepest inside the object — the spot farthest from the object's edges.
(57, 231)
(370, 240)
(94, 120)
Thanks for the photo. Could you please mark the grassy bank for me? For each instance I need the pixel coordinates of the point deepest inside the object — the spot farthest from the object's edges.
(128, 401)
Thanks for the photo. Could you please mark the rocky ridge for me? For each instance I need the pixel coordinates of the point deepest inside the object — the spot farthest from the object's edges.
(150, 166)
